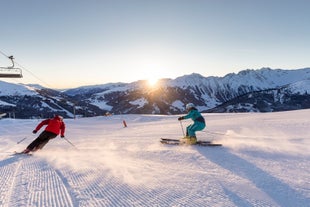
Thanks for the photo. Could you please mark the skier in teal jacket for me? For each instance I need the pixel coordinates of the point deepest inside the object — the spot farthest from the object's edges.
(198, 125)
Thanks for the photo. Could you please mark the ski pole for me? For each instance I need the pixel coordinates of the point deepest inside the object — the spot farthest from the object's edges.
(70, 142)
(182, 128)
(20, 141)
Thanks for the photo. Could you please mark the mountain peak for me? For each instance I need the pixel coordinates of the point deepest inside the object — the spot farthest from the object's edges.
(267, 90)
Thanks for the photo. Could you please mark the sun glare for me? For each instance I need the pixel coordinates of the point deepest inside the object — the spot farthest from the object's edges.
(152, 81)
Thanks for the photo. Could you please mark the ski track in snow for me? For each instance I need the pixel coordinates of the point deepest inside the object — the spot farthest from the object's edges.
(129, 167)
(32, 182)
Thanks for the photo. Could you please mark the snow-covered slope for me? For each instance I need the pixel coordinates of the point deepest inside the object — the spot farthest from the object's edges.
(96, 88)
(264, 161)
(28, 101)
(10, 89)
(300, 87)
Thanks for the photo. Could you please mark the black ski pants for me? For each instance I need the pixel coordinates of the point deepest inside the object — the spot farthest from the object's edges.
(41, 140)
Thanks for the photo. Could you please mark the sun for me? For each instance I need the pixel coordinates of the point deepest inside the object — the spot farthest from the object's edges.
(152, 81)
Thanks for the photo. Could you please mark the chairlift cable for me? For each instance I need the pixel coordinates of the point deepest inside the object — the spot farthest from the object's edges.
(4, 54)
(23, 68)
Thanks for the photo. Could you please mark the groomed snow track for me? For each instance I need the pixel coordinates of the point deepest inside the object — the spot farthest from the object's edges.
(264, 163)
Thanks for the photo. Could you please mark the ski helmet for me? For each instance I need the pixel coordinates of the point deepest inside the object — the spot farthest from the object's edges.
(189, 106)
(58, 117)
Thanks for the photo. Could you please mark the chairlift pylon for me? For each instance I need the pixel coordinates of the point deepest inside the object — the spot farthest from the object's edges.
(11, 71)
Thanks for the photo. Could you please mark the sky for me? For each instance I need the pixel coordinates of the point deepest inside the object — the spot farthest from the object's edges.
(71, 43)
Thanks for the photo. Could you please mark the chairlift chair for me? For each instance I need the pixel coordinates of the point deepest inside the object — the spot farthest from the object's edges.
(10, 72)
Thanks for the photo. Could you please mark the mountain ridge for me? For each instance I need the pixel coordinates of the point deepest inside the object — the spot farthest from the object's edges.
(209, 94)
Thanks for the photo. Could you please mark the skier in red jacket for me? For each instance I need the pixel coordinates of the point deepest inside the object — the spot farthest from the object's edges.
(55, 126)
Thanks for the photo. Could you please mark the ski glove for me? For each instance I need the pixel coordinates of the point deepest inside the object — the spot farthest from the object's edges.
(180, 118)
(34, 131)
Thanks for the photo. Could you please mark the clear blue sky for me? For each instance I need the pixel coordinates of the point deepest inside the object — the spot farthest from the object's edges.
(69, 43)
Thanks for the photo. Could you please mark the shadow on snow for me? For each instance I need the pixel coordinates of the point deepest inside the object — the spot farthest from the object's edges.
(280, 192)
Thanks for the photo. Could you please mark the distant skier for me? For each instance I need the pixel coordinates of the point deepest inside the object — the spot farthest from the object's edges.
(198, 125)
(55, 126)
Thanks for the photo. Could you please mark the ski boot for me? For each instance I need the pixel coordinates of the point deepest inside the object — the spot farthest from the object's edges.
(185, 140)
(189, 140)
(192, 140)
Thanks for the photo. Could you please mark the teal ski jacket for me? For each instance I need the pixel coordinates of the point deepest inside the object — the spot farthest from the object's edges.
(195, 115)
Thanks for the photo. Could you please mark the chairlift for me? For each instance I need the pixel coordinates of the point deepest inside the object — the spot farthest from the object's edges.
(11, 71)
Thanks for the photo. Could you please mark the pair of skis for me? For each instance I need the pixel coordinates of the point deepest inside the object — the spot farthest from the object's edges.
(21, 153)
(177, 142)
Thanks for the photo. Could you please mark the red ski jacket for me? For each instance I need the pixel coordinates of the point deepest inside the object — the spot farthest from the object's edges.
(55, 125)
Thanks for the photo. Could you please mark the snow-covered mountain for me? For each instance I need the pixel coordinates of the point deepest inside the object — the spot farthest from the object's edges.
(9, 89)
(249, 90)
(171, 95)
